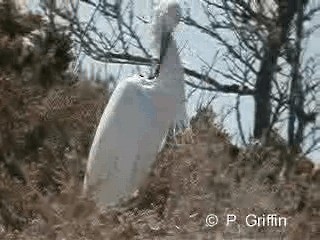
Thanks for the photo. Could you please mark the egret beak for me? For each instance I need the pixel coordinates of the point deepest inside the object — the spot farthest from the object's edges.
(165, 40)
(164, 45)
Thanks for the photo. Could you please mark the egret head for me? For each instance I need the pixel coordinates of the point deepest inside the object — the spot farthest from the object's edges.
(167, 17)
(171, 14)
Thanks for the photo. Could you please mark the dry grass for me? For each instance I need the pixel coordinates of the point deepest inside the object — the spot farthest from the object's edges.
(46, 131)
(189, 181)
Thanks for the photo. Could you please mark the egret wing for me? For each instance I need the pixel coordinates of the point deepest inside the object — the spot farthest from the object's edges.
(123, 147)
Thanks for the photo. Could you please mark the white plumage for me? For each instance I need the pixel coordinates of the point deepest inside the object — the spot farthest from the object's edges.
(136, 119)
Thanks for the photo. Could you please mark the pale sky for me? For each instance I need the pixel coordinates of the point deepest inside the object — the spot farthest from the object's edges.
(189, 40)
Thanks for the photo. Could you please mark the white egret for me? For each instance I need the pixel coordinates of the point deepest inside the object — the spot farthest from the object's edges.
(136, 119)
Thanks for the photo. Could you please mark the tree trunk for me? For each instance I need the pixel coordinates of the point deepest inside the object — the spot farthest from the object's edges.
(299, 91)
(296, 101)
(263, 91)
(276, 39)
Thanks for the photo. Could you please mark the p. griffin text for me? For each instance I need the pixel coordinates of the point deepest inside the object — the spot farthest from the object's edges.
(264, 220)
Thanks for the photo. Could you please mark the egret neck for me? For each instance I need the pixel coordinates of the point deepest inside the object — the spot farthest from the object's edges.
(170, 73)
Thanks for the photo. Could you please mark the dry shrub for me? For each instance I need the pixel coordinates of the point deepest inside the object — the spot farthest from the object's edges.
(46, 120)
(32, 48)
(200, 175)
(206, 174)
